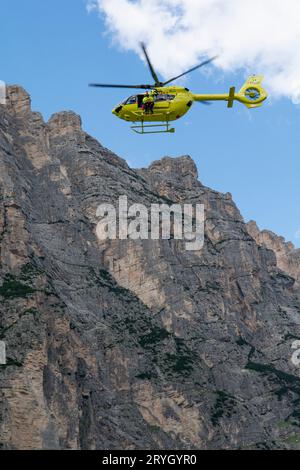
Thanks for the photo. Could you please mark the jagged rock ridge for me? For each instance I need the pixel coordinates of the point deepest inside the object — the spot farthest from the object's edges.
(287, 256)
(134, 344)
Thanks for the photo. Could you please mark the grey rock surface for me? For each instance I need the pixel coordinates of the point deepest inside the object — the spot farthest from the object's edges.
(134, 344)
(287, 256)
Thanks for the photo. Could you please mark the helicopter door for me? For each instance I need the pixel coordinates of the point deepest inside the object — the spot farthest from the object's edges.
(140, 100)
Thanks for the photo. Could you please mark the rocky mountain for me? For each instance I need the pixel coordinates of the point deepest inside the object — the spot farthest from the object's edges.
(287, 256)
(135, 344)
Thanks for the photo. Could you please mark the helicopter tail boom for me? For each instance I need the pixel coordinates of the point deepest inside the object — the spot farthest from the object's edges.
(252, 94)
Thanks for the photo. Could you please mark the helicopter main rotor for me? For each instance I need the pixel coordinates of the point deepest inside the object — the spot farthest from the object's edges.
(158, 83)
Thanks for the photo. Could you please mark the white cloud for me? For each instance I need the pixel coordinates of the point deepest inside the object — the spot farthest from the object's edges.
(297, 234)
(258, 36)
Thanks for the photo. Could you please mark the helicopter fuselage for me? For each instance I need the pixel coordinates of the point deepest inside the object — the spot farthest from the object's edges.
(170, 103)
(173, 102)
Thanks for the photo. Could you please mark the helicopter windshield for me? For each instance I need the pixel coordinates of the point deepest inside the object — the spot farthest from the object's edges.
(130, 100)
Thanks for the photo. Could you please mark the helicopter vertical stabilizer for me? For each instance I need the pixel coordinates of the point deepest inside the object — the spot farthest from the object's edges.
(252, 92)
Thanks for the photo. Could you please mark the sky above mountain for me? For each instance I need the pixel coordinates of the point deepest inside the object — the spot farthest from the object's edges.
(54, 49)
(245, 35)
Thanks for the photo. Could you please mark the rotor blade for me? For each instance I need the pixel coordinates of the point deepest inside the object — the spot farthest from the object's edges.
(207, 103)
(153, 73)
(191, 70)
(103, 85)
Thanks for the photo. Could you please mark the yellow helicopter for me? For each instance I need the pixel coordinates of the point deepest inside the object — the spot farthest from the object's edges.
(164, 104)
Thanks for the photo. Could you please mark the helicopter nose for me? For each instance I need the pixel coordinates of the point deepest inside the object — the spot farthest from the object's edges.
(117, 110)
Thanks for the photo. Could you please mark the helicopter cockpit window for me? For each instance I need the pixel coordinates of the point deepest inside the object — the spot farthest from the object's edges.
(131, 100)
(164, 97)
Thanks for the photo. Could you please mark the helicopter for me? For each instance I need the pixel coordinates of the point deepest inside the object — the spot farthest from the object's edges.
(170, 103)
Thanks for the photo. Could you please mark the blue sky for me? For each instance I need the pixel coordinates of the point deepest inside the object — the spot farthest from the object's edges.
(54, 49)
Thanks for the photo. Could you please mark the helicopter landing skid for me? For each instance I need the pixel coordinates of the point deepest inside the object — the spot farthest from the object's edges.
(146, 129)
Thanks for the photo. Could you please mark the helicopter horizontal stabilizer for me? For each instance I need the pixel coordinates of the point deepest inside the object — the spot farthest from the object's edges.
(231, 97)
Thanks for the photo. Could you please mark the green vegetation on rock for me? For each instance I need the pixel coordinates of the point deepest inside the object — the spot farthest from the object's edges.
(12, 287)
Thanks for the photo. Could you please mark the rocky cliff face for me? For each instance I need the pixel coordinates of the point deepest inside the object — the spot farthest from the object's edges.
(134, 344)
(287, 256)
